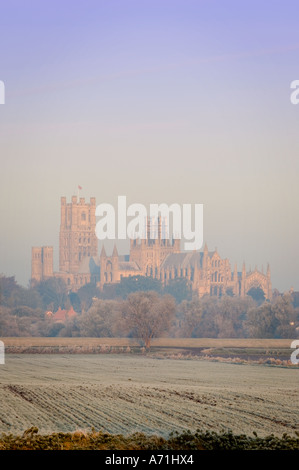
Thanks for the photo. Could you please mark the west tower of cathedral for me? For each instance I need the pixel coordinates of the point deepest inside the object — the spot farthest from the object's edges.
(156, 256)
(77, 237)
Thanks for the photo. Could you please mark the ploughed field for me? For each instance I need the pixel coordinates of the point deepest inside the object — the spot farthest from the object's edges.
(127, 393)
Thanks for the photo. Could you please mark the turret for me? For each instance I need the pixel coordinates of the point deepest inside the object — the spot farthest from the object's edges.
(235, 275)
(115, 252)
(243, 281)
(114, 258)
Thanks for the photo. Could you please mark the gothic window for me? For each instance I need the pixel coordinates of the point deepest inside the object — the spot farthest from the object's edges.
(83, 216)
(109, 266)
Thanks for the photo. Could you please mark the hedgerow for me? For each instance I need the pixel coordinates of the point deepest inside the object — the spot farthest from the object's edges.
(81, 440)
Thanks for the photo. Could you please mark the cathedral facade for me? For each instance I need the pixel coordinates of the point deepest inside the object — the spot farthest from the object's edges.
(206, 271)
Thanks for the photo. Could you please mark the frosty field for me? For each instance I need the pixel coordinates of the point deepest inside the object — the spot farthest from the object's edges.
(127, 393)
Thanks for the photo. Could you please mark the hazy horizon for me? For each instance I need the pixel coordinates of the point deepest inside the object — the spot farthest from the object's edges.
(182, 101)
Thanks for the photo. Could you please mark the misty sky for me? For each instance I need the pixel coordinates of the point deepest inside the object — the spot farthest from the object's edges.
(184, 101)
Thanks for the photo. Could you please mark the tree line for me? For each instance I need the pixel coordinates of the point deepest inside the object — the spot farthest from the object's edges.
(141, 307)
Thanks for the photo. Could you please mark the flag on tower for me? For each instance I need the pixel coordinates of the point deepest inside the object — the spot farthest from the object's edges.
(79, 187)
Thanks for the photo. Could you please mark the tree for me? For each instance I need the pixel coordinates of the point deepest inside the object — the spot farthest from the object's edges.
(75, 301)
(27, 298)
(53, 292)
(8, 290)
(257, 294)
(231, 312)
(148, 315)
(20, 321)
(261, 322)
(285, 314)
(100, 320)
(295, 299)
(273, 320)
(189, 315)
(86, 295)
(207, 327)
(138, 283)
(179, 289)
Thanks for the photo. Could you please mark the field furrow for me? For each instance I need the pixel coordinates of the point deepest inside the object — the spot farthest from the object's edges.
(125, 394)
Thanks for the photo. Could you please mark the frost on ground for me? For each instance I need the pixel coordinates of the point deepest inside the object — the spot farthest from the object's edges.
(124, 394)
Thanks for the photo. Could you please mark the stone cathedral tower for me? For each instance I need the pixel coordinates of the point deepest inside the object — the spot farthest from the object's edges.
(41, 263)
(77, 237)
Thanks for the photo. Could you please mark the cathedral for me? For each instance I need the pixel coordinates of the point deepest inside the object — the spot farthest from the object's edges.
(161, 258)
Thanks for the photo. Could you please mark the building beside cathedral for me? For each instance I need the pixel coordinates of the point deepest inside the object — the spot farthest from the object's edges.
(161, 258)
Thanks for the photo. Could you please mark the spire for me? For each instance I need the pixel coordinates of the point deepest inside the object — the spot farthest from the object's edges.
(268, 270)
(115, 252)
(196, 275)
(103, 252)
(206, 249)
(243, 270)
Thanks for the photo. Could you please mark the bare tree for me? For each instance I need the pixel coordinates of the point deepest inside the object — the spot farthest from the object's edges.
(148, 315)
